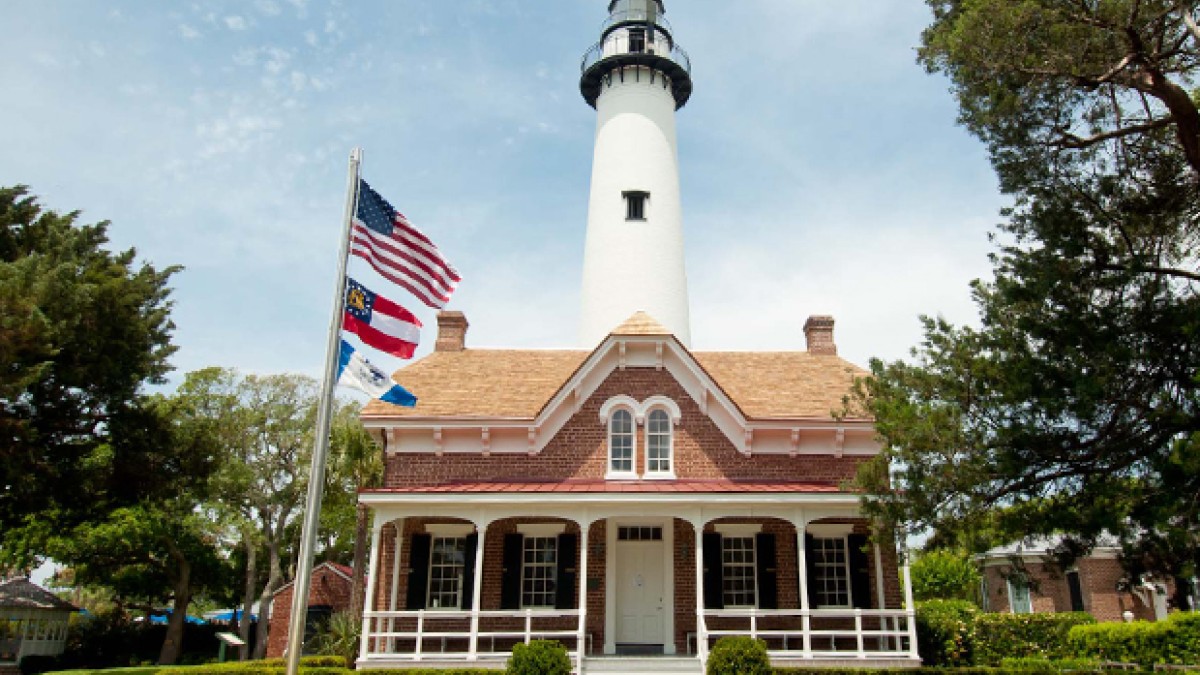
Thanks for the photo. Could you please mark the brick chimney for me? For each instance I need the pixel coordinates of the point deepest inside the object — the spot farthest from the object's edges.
(452, 332)
(818, 333)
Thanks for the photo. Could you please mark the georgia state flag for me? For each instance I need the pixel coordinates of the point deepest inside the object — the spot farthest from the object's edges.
(379, 322)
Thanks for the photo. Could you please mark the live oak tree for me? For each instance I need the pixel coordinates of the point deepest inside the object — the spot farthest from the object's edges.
(1074, 407)
(82, 329)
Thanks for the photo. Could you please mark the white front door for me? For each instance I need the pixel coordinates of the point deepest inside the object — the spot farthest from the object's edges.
(640, 577)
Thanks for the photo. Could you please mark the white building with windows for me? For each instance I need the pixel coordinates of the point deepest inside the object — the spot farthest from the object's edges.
(633, 499)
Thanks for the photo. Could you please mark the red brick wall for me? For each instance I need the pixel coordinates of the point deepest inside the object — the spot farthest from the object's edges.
(326, 588)
(579, 450)
(1049, 592)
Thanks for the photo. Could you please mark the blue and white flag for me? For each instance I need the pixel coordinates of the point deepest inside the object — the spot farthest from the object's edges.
(355, 371)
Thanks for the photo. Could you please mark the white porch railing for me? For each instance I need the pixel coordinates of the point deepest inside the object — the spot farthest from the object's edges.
(818, 633)
(441, 635)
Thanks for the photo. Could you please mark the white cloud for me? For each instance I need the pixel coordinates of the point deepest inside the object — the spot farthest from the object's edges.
(310, 38)
(268, 7)
(236, 22)
(187, 32)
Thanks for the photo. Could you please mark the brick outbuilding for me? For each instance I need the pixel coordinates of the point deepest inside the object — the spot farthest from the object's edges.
(330, 592)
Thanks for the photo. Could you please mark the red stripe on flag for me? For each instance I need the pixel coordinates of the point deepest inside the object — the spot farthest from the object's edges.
(390, 273)
(436, 292)
(378, 339)
(406, 259)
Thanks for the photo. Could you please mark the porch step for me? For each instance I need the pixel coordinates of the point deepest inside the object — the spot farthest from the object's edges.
(641, 665)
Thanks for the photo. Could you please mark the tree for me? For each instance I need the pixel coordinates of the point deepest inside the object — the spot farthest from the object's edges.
(82, 329)
(945, 575)
(1075, 406)
(356, 463)
(160, 550)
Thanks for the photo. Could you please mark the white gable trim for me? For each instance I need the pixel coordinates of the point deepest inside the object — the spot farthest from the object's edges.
(807, 436)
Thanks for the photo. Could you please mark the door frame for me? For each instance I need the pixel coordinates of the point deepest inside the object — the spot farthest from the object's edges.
(610, 581)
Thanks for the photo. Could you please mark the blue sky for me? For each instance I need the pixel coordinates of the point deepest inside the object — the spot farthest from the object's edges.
(822, 170)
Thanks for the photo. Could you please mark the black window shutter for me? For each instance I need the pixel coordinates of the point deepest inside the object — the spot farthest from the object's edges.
(1076, 590)
(860, 571)
(564, 591)
(510, 588)
(714, 572)
(468, 587)
(810, 570)
(765, 563)
(418, 570)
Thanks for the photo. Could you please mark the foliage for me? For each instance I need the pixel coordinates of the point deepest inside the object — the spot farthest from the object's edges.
(1075, 406)
(1022, 667)
(539, 657)
(113, 640)
(945, 575)
(82, 329)
(946, 632)
(339, 637)
(1175, 641)
(1000, 636)
(738, 655)
(1033, 664)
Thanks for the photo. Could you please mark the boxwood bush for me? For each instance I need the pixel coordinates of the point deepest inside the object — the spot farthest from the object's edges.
(1174, 641)
(539, 657)
(739, 655)
(1001, 636)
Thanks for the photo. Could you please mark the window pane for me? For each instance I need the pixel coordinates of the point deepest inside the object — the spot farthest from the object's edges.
(620, 441)
(658, 442)
(539, 574)
(831, 580)
(737, 554)
(446, 559)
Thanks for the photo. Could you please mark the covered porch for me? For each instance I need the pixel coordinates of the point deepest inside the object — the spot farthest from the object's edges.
(460, 573)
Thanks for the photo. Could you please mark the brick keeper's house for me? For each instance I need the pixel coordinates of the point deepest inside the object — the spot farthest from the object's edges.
(635, 499)
(632, 499)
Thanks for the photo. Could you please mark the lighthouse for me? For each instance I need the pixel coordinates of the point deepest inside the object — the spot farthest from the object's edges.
(636, 77)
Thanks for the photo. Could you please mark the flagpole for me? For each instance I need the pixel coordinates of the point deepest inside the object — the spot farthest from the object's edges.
(316, 477)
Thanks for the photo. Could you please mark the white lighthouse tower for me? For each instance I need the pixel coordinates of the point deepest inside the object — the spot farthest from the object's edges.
(636, 77)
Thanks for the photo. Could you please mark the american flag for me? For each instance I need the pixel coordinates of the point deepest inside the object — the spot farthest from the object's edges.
(400, 252)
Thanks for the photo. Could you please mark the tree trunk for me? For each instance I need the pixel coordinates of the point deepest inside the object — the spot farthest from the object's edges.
(264, 600)
(357, 589)
(248, 595)
(181, 583)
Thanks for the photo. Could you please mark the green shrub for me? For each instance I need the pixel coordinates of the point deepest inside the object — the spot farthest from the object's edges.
(539, 657)
(1034, 664)
(945, 575)
(739, 655)
(339, 636)
(1174, 641)
(1001, 636)
(946, 632)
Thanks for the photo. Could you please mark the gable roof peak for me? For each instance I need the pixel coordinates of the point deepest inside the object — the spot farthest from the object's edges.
(640, 323)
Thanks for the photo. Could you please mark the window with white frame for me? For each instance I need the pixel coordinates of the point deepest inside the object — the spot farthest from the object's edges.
(831, 572)
(620, 442)
(658, 442)
(446, 562)
(737, 562)
(539, 571)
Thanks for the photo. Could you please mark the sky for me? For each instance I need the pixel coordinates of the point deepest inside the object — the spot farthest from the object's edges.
(822, 171)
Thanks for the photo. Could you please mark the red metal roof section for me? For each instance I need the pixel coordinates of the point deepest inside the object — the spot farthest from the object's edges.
(614, 486)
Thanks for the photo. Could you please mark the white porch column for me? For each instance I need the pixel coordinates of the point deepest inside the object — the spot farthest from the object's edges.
(881, 595)
(477, 592)
(398, 525)
(909, 607)
(372, 578)
(701, 626)
(801, 525)
(581, 644)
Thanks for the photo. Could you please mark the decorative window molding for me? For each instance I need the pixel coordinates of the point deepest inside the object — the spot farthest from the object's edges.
(659, 436)
(617, 402)
(737, 529)
(827, 530)
(541, 529)
(450, 529)
(659, 401)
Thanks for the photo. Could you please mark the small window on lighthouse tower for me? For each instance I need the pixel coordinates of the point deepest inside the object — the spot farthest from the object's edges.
(637, 40)
(635, 204)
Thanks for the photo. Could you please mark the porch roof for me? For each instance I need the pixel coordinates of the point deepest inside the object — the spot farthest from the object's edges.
(600, 486)
(20, 593)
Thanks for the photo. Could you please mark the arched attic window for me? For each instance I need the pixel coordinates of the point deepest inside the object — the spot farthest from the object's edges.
(621, 443)
(659, 444)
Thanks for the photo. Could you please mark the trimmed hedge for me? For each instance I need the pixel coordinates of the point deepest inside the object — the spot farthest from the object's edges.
(1175, 641)
(539, 657)
(1001, 636)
